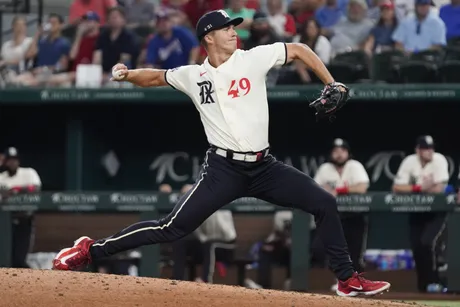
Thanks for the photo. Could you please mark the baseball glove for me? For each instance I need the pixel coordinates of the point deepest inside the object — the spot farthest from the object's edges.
(333, 98)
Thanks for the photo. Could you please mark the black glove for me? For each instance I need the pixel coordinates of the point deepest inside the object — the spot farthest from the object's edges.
(333, 98)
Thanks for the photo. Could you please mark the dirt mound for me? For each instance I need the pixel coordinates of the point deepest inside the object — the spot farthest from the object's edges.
(52, 288)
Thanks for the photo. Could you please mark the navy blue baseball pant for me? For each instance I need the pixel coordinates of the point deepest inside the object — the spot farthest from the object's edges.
(223, 180)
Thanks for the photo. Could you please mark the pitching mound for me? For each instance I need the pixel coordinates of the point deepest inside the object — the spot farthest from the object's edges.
(52, 288)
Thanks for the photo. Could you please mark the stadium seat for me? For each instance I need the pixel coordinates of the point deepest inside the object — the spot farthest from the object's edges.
(430, 56)
(452, 53)
(345, 72)
(448, 72)
(360, 61)
(384, 65)
(454, 42)
(417, 72)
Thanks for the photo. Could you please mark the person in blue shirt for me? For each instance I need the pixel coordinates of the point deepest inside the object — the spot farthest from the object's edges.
(380, 38)
(450, 14)
(53, 49)
(172, 46)
(420, 31)
(51, 53)
(328, 16)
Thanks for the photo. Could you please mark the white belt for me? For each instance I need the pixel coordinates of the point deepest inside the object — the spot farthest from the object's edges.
(245, 157)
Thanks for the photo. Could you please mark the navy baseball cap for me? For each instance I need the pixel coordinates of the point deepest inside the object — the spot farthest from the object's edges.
(425, 142)
(90, 15)
(215, 20)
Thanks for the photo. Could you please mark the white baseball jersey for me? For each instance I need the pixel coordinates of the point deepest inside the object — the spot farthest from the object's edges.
(232, 98)
(24, 176)
(353, 173)
(411, 171)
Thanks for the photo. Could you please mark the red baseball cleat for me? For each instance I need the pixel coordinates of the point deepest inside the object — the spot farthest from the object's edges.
(75, 257)
(358, 285)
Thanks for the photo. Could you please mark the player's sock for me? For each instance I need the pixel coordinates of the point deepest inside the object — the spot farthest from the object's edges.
(345, 275)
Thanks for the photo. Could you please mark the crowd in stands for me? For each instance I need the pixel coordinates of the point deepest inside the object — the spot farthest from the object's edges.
(346, 34)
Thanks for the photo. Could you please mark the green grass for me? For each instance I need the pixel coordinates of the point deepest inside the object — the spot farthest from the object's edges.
(438, 303)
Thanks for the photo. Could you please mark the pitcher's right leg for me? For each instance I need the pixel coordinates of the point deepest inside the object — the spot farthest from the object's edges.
(218, 184)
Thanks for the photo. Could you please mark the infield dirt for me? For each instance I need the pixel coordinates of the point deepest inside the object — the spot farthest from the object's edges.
(39, 288)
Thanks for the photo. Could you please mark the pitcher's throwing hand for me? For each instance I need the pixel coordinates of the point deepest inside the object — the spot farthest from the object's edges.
(119, 72)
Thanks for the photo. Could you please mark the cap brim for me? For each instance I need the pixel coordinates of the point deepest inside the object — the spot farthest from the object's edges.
(234, 22)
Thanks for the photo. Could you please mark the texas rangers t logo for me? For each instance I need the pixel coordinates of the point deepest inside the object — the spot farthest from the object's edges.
(224, 13)
(205, 92)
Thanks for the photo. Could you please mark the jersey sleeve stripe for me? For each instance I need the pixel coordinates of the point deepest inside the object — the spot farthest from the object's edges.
(166, 79)
(285, 54)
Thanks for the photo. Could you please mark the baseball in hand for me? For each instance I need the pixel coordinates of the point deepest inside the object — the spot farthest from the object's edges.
(119, 72)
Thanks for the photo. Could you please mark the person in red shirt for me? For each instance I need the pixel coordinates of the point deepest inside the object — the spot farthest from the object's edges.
(302, 11)
(194, 9)
(78, 8)
(85, 40)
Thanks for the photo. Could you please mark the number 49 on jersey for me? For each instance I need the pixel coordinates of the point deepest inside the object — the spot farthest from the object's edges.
(239, 88)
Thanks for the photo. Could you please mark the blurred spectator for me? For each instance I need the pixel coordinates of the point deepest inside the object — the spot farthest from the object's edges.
(116, 44)
(236, 9)
(51, 51)
(82, 50)
(13, 181)
(14, 51)
(380, 38)
(139, 13)
(78, 8)
(406, 8)
(312, 37)
(426, 171)
(282, 22)
(351, 32)
(172, 46)
(373, 10)
(194, 9)
(302, 10)
(328, 16)
(175, 9)
(84, 44)
(421, 31)
(261, 33)
(450, 14)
